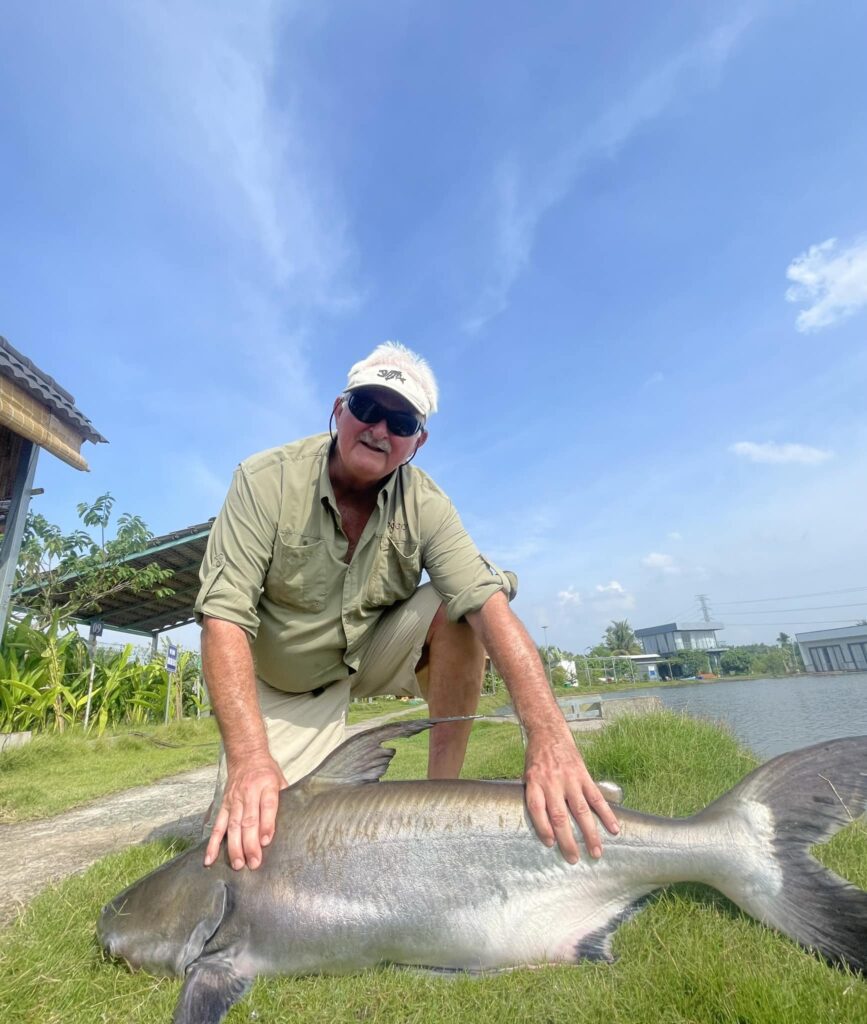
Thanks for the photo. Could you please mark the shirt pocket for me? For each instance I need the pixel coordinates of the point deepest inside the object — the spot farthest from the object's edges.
(395, 574)
(298, 575)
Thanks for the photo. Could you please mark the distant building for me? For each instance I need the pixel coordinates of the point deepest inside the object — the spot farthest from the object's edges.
(834, 650)
(568, 667)
(673, 637)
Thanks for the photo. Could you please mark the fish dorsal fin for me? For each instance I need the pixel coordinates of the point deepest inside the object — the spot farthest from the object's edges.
(362, 758)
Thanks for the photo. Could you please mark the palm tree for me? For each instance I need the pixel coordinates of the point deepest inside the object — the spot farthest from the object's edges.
(620, 638)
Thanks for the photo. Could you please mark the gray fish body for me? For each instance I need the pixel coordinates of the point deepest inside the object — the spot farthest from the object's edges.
(451, 875)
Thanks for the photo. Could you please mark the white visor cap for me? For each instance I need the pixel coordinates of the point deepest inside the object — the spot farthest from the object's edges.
(394, 366)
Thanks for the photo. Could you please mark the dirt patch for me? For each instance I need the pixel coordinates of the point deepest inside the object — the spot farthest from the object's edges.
(35, 854)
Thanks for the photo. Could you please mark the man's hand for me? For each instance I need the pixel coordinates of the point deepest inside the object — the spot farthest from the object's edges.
(248, 813)
(559, 788)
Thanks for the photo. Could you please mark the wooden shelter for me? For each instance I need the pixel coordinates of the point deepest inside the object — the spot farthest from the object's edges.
(35, 412)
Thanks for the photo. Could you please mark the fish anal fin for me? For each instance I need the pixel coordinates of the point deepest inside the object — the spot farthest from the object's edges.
(597, 944)
(211, 987)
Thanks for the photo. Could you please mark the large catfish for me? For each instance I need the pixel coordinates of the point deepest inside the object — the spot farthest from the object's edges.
(450, 875)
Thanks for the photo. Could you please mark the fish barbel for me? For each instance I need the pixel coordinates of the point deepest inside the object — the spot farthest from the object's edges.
(450, 875)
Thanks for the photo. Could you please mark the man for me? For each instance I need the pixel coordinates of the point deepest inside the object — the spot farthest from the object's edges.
(310, 596)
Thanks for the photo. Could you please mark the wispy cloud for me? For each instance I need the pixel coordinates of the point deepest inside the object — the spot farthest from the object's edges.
(215, 65)
(833, 281)
(613, 595)
(524, 193)
(660, 562)
(770, 452)
(569, 596)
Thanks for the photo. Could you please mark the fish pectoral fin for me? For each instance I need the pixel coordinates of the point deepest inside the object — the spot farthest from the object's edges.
(611, 791)
(362, 758)
(210, 917)
(212, 986)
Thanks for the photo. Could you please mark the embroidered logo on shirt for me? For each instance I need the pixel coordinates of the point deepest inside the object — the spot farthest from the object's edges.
(392, 375)
(394, 525)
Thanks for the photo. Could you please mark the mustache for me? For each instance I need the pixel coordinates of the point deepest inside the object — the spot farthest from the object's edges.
(383, 443)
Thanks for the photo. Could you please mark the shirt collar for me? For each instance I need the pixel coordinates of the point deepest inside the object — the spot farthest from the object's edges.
(326, 491)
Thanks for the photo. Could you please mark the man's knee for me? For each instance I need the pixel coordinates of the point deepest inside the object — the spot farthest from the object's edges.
(446, 638)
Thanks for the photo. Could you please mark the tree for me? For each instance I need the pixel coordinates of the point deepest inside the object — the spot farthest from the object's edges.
(67, 576)
(691, 662)
(620, 638)
(784, 640)
(736, 661)
(774, 662)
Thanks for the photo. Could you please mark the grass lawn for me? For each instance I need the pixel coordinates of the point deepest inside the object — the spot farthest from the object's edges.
(689, 957)
(55, 772)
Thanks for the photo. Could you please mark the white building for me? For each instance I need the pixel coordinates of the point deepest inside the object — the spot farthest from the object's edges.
(834, 650)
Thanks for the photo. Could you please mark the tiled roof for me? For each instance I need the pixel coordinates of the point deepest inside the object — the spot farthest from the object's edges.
(45, 390)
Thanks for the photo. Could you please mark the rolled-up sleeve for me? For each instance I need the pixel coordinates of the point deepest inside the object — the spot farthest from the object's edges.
(239, 550)
(458, 570)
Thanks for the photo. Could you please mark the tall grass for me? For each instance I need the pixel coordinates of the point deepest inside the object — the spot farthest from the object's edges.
(689, 958)
(48, 682)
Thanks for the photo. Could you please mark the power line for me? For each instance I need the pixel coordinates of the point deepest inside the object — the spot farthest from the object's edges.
(784, 611)
(794, 597)
(798, 622)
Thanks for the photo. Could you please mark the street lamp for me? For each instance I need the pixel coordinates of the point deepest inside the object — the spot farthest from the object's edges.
(547, 656)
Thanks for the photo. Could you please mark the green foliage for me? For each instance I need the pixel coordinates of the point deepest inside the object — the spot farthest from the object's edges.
(71, 574)
(772, 663)
(762, 659)
(45, 676)
(691, 662)
(736, 661)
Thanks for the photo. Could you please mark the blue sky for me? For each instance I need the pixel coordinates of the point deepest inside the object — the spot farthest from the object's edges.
(631, 240)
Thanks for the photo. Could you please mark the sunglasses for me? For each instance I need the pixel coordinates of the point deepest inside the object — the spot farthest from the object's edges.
(368, 410)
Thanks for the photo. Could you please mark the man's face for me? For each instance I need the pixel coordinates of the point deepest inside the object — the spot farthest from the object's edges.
(370, 451)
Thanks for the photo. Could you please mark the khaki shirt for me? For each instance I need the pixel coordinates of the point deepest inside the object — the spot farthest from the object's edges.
(275, 563)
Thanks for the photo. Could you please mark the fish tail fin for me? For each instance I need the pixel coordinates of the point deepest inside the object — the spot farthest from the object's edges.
(809, 795)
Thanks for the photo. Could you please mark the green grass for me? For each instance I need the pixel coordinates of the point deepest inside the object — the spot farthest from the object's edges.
(689, 958)
(54, 773)
(361, 711)
(57, 772)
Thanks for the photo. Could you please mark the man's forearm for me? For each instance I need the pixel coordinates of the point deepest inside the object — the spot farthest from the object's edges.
(227, 663)
(558, 786)
(513, 652)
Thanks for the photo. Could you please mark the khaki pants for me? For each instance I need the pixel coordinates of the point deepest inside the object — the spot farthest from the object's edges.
(304, 728)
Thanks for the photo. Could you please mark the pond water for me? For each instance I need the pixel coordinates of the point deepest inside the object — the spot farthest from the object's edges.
(772, 716)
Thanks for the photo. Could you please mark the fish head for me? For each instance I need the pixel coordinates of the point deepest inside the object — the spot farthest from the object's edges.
(161, 923)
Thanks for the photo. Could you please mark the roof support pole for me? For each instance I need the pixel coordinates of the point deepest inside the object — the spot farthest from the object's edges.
(15, 520)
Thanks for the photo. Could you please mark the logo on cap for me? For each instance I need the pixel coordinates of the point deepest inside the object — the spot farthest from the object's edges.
(392, 375)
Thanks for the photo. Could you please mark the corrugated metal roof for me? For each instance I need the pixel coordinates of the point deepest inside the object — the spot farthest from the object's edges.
(182, 552)
(45, 390)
